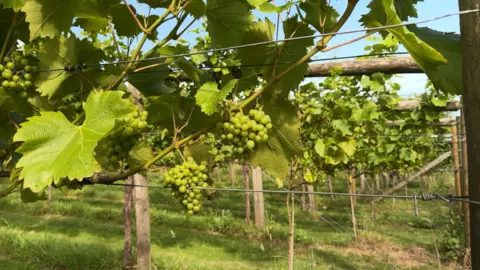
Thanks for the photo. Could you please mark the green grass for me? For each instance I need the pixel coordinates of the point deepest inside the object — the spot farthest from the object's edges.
(83, 230)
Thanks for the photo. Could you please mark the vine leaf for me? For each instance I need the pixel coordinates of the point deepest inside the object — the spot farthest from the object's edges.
(196, 8)
(320, 15)
(156, 3)
(12, 102)
(289, 52)
(447, 78)
(140, 154)
(406, 9)
(49, 17)
(62, 52)
(383, 12)
(92, 15)
(54, 147)
(123, 21)
(259, 31)
(284, 142)
(227, 16)
(209, 95)
(15, 4)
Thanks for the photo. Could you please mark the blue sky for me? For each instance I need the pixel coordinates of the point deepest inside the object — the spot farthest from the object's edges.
(411, 83)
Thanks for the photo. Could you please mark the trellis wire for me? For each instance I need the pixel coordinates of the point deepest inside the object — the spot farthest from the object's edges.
(424, 197)
(73, 68)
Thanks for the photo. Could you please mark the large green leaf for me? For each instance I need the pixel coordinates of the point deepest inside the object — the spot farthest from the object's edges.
(196, 8)
(20, 32)
(289, 52)
(92, 15)
(227, 21)
(156, 3)
(209, 95)
(15, 4)
(447, 78)
(10, 102)
(63, 52)
(383, 12)
(320, 14)
(49, 17)
(406, 9)
(162, 110)
(284, 142)
(259, 31)
(54, 148)
(140, 154)
(124, 23)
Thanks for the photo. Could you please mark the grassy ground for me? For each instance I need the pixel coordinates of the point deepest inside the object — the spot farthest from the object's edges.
(83, 230)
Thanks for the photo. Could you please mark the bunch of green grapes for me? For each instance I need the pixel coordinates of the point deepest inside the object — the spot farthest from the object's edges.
(243, 133)
(182, 179)
(16, 71)
(115, 147)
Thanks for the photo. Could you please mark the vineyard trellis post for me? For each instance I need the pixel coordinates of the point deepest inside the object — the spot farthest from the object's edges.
(246, 181)
(127, 223)
(464, 182)
(258, 199)
(470, 44)
(456, 163)
(142, 222)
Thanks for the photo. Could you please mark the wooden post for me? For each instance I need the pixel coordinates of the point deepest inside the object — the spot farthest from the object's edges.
(351, 180)
(231, 171)
(127, 224)
(353, 186)
(291, 222)
(465, 187)
(246, 182)
(470, 44)
(387, 179)
(50, 191)
(258, 200)
(330, 187)
(377, 182)
(303, 198)
(311, 199)
(142, 222)
(456, 163)
(362, 183)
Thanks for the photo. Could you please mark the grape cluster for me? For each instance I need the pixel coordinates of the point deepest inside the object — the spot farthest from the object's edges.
(182, 179)
(16, 71)
(243, 133)
(117, 145)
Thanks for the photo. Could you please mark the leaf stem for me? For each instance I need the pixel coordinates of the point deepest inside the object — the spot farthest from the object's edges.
(348, 11)
(9, 190)
(9, 35)
(171, 36)
(146, 31)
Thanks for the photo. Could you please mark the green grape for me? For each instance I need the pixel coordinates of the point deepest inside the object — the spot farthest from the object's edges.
(24, 95)
(250, 144)
(7, 74)
(2, 68)
(24, 62)
(6, 84)
(16, 78)
(6, 59)
(28, 68)
(10, 65)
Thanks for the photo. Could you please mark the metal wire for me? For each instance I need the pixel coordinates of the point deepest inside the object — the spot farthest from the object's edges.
(82, 66)
(425, 197)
